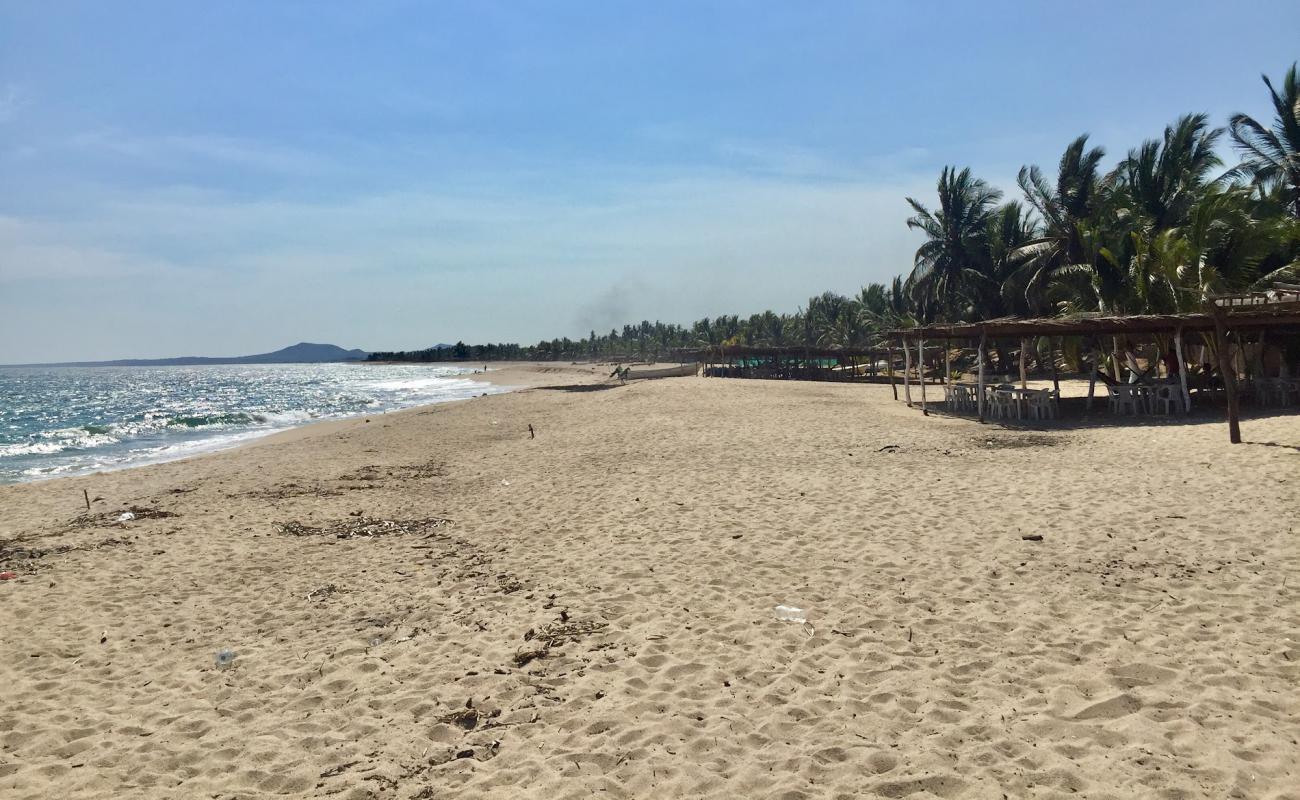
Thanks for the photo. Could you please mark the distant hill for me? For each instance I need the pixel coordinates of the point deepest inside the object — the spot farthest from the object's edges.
(301, 353)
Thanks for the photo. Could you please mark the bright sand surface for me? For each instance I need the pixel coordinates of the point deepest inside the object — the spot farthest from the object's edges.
(597, 619)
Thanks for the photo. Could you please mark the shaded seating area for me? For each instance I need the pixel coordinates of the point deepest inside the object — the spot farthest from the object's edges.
(794, 363)
(1239, 347)
(1003, 400)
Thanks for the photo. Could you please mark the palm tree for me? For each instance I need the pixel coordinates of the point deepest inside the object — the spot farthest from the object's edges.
(1163, 178)
(1063, 209)
(1231, 247)
(833, 319)
(997, 288)
(956, 234)
(1272, 156)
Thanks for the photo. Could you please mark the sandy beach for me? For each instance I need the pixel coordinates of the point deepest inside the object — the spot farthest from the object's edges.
(431, 604)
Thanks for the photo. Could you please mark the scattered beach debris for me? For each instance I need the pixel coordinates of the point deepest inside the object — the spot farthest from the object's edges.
(1032, 537)
(365, 528)
(225, 658)
(375, 472)
(889, 448)
(523, 657)
(531, 433)
(468, 718)
(291, 489)
(107, 519)
(1020, 440)
(11, 554)
(556, 634)
(509, 584)
(7, 575)
(791, 614)
(323, 592)
(339, 770)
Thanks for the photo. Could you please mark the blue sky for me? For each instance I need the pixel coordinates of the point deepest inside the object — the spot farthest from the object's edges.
(223, 178)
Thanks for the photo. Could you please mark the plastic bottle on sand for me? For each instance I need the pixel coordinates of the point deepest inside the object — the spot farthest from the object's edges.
(791, 614)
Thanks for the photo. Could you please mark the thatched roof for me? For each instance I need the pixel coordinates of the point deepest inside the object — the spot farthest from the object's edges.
(1274, 309)
(747, 351)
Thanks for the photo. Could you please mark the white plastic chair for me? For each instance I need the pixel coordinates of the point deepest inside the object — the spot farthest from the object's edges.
(1005, 404)
(1166, 400)
(1042, 404)
(1124, 399)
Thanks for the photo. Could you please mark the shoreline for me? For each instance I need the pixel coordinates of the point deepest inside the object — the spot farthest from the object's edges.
(519, 375)
(437, 604)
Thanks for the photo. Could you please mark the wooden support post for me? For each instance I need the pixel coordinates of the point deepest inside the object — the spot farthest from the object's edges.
(1182, 370)
(920, 370)
(1093, 366)
(947, 369)
(980, 387)
(889, 367)
(1056, 374)
(907, 368)
(1024, 375)
(1229, 373)
(1258, 360)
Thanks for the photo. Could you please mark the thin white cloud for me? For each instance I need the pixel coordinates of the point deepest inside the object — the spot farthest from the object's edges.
(31, 251)
(227, 150)
(502, 259)
(12, 98)
(777, 159)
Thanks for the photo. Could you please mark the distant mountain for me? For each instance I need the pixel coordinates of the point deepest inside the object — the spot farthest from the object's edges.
(301, 353)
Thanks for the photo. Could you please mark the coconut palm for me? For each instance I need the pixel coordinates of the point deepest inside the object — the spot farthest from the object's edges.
(1272, 155)
(1231, 247)
(956, 240)
(995, 288)
(1163, 178)
(1063, 208)
(833, 320)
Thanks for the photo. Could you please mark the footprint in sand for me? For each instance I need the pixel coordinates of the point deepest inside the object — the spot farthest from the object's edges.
(938, 785)
(1131, 675)
(1114, 708)
(881, 762)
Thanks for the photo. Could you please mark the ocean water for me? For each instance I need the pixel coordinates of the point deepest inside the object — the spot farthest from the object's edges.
(73, 420)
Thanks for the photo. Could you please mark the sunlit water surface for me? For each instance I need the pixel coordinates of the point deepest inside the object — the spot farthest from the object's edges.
(72, 420)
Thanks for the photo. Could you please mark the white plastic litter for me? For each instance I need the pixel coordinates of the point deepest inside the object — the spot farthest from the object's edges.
(225, 658)
(791, 614)
(126, 517)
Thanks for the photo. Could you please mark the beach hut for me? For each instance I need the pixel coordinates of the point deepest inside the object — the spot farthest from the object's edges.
(1261, 315)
